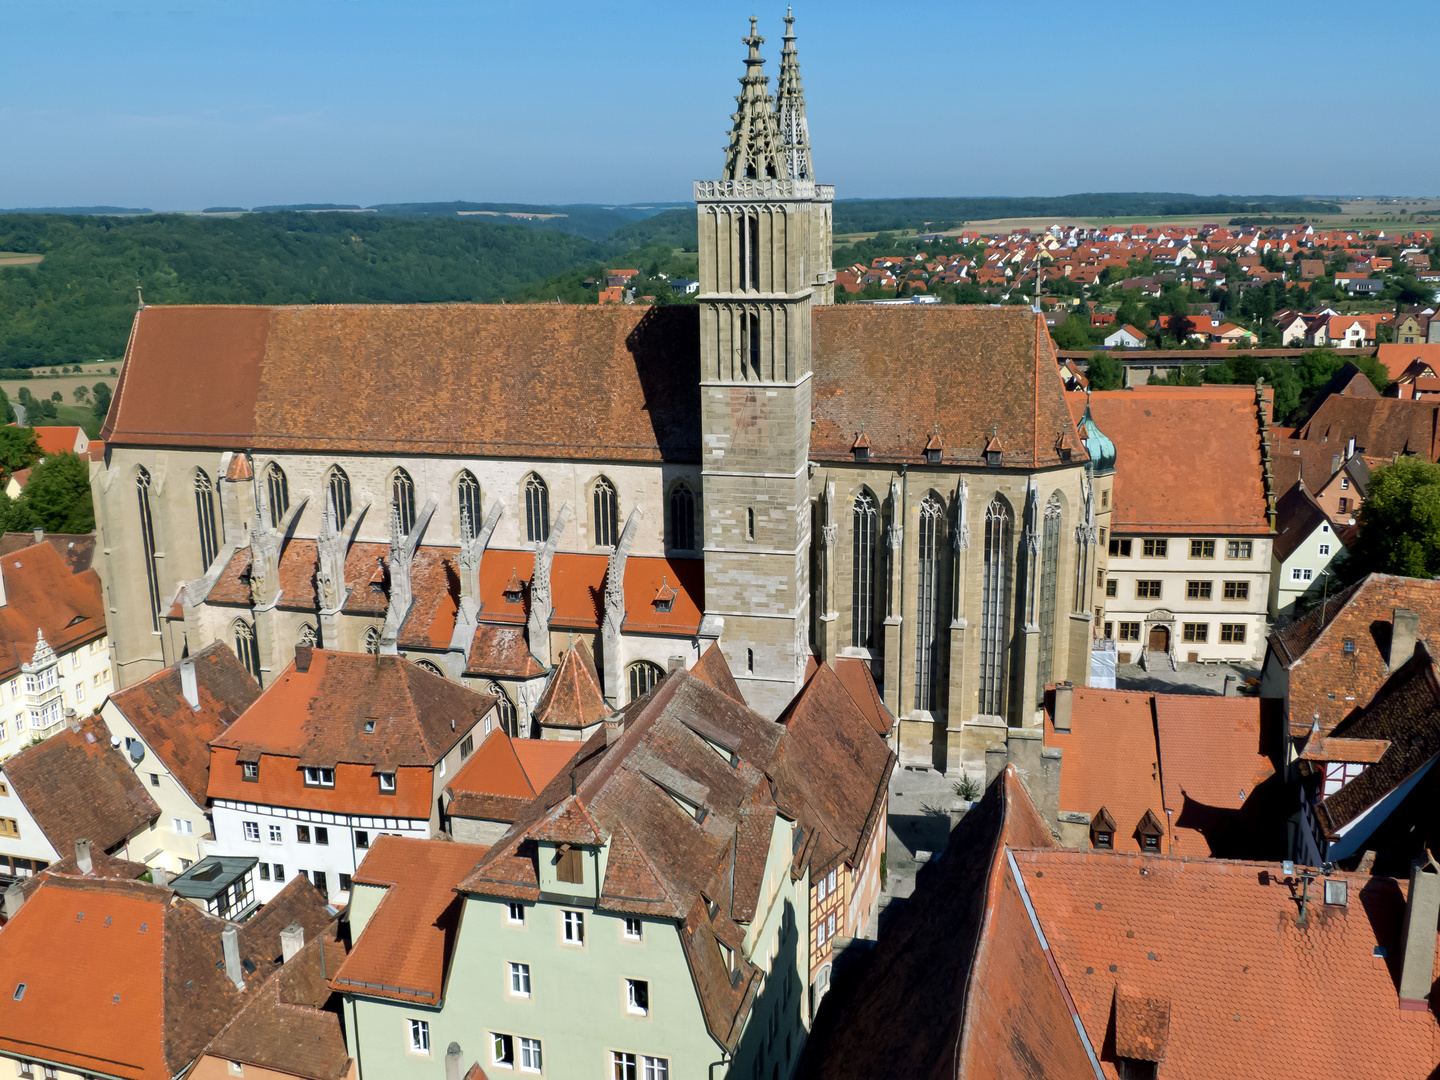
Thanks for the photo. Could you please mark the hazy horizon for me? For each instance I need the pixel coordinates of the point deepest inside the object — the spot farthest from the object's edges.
(228, 104)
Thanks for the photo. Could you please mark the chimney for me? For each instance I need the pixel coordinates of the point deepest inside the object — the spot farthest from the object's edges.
(14, 900)
(614, 727)
(230, 943)
(1403, 631)
(159, 875)
(1334, 464)
(675, 663)
(189, 686)
(39, 535)
(452, 1061)
(1064, 699)
(302, 657)
(82, 857)
(292, 940)
(1422, 912)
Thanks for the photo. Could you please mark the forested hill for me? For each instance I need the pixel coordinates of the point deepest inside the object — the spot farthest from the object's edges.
(78, 303)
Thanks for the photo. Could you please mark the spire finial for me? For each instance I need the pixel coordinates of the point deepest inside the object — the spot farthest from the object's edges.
(754, 150)
(790, 108)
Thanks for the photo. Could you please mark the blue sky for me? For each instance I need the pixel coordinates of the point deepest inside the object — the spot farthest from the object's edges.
(180, 104)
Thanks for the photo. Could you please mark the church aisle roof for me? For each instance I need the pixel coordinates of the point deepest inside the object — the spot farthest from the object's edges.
(565, 381)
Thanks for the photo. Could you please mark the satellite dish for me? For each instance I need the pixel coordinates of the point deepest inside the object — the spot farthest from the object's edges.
(115, 741)
(137, 751)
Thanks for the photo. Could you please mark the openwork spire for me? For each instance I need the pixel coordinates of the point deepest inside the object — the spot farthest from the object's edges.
(754, 152)
(790, 109)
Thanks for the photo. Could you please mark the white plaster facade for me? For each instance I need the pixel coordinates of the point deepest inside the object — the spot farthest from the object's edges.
(1303, 571)
(34, 702)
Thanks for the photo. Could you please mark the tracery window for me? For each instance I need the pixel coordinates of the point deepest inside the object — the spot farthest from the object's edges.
(308, 635)
(402, 500)
(1049, 568)
(682, 518)
(537, 510)
(371, 641)
(865, 515)
(205, 517)
(246, 647)
(467, 488)
(606, 512)
(277, 488)
(147, 540)
(927, 613)
(428, 666)
(643, 676)
(994, 613)
(337, 490)
(506, 709)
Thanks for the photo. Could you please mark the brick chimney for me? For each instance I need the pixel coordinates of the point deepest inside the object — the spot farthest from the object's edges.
(292, 940)
(1064, 700)
(1422, 913)
(83, 862)
(1404, 630)
(303, 653)
(230, 944)
(189, 685)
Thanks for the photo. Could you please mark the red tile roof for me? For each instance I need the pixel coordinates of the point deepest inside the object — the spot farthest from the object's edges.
(713, 670)
(179, 735)
(42, 594)
(404, 951)
(1381, 427)
(856, 677)
(573, 698)
(504, 774)
(57, 440)
(1204, 441)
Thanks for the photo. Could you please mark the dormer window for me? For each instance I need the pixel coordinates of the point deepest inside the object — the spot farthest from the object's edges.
(935, 448)
(665, 597)
(1102, 831)
(994, 451)
(569, 865)
(387, 783)
(369, 727)
(861, 446)
(318, 777)
(514, 589)
(250, 772)
(1149, 832)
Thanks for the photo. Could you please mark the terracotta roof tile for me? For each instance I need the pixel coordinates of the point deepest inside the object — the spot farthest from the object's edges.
(856, 677)
(501, 651)
(713, 670)
(573, 698)
(57, 440)
(178, 735)
(504, 774)
(78, 787)
(1381, 427)
(42, 594)
(404, 951)
(77, 549)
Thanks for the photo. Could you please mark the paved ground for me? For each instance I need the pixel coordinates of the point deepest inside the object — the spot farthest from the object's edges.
(923, 810)
(1189, 679)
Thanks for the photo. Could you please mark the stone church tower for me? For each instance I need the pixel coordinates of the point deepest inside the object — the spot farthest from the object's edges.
(764, 261)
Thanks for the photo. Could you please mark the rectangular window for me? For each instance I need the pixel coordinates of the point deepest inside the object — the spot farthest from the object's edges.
(1104, 496)
(573, 927)
(1237, 590)
(79, 691)
(1156, 549)
(279, 871)
(1202, 549)
(1344, 505)
(1102, 536)
(1324, 549)
(9, 827)
(1300, 574)
(1196, 632)
(569, 865)
(275, 834)
(655, 1068)
(344, 882)
(1099, 576)
(520, 979)
(317, 777)
(1129, 631)
(419, 1036)
(1344, 483)
(75, 656)
(530, 1055)
(185, 827)
(1232, 633)
(1120, 548)
(1147, 590)
(634, 929)
(1109, 630)
(1238, 549)
(264, 871)
(387, 783)
(250, 772)
(317, 877)
(154, 779)
(467, 746)
(637, 997)
(1197, 590)
(502, 1049)
(623, 1066)
(1112, 587)
(322, 835)
(252, 829)
(515, 915)
(302, 833)
(362, 839)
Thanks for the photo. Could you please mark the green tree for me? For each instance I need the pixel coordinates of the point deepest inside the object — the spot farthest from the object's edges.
(1073, 333)
(102, 400)
(19, 449)
(57, 494)
(7, 411)
(1400, 522)
(1181, 327)
(80, 393)
(1104, 372)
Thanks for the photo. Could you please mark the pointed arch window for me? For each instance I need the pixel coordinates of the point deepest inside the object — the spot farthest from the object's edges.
(537, 510)
(994, 611)
(682, 518)
(246, 647)
(1049, 569)
(643, 675)
(371, 641)
(147, 541)
(308, 635)
(865, 520)
(277, 490)
(506, 708)
(428, 666)
(927, 612)
(749, 345)
(337, 491)
(402, 500)
(607, 512)
(467, 491)
(205, 518)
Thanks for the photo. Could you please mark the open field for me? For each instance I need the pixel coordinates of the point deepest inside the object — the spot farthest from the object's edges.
(19, 258)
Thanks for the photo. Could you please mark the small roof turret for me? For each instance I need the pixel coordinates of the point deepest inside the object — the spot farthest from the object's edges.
(1097, 444)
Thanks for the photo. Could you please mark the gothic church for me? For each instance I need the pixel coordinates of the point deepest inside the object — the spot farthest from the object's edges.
(482, 487)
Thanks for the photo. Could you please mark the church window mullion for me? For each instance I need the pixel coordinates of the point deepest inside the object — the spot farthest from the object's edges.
(205, 514)
(993, 609)
(862, 612)
(1049, 572)
(927, 612)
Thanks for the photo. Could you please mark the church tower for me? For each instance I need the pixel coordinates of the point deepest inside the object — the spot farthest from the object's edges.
(764, 260)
